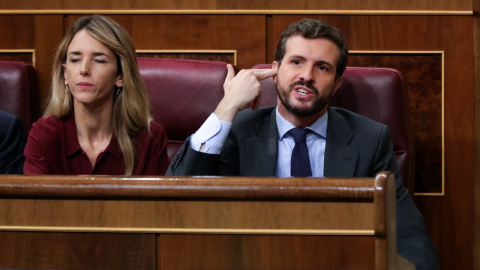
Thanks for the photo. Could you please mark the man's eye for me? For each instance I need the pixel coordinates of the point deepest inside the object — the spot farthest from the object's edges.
(323, 67)
(296, 62)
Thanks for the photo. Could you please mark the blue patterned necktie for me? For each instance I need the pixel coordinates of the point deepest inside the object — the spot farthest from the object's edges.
(300, 165)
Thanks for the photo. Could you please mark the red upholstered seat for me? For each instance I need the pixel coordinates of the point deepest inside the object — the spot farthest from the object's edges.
(19, 92)
(376, 93)
(183, 93)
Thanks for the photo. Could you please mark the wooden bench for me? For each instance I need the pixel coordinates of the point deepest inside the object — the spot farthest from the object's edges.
(105, 222)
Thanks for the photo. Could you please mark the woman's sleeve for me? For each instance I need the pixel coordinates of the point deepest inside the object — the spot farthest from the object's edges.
(36, 152)
(158, 160)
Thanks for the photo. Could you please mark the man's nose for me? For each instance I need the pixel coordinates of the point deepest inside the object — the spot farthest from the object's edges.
(307, 74)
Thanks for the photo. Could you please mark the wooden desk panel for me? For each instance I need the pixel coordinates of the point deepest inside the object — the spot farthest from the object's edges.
(170, 216)
(108, 222)
(261, 252)
(102, 251)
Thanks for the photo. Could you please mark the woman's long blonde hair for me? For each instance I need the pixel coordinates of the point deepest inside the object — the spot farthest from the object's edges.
(131, 107)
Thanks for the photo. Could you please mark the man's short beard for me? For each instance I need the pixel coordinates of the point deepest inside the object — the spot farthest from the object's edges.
(317, 106)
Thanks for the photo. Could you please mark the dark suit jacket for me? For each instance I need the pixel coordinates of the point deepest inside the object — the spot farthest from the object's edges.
(356, 147)
(12, 143)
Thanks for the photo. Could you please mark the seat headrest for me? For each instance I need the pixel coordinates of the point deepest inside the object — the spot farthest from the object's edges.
(183, 93)
(18, 91)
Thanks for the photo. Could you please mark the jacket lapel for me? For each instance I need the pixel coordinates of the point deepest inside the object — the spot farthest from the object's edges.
(340, 157)
(262, 150)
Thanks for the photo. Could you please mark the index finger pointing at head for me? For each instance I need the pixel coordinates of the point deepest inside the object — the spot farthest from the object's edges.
(262, 74)
(230, 73)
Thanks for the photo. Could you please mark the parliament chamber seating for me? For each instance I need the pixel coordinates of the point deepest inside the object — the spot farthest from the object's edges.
(161, 222)
(19, 91)
(183, 93)
(378, 94)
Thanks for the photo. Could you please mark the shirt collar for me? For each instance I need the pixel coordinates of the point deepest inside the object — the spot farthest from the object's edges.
(319, 127)
(73, 146)
(114, 148)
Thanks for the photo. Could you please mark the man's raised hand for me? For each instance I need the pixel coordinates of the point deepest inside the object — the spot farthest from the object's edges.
(241, 90)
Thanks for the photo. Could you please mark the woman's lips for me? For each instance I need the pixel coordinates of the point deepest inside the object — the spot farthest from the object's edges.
(84, 85)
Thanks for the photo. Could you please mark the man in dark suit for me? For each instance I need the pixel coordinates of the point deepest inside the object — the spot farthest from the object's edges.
(12, 144)
(310, 59)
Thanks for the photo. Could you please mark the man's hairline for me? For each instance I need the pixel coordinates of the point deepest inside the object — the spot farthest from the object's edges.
(279, 63)
(300, 35)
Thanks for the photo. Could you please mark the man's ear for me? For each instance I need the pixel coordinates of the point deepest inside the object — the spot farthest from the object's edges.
(338, 82)
(275, 67)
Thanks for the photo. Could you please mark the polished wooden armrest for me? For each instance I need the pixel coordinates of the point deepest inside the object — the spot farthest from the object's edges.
(267, 188)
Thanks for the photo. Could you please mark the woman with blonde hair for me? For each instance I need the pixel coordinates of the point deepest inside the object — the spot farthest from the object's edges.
(98, 117)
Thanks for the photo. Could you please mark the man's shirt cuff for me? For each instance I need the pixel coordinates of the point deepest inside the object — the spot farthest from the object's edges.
(212, 133)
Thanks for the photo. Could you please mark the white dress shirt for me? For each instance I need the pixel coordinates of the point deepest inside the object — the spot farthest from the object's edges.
(214, 132)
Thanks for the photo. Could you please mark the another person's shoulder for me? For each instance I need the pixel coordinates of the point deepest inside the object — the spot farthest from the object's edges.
(8, 117)
(8, 120)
